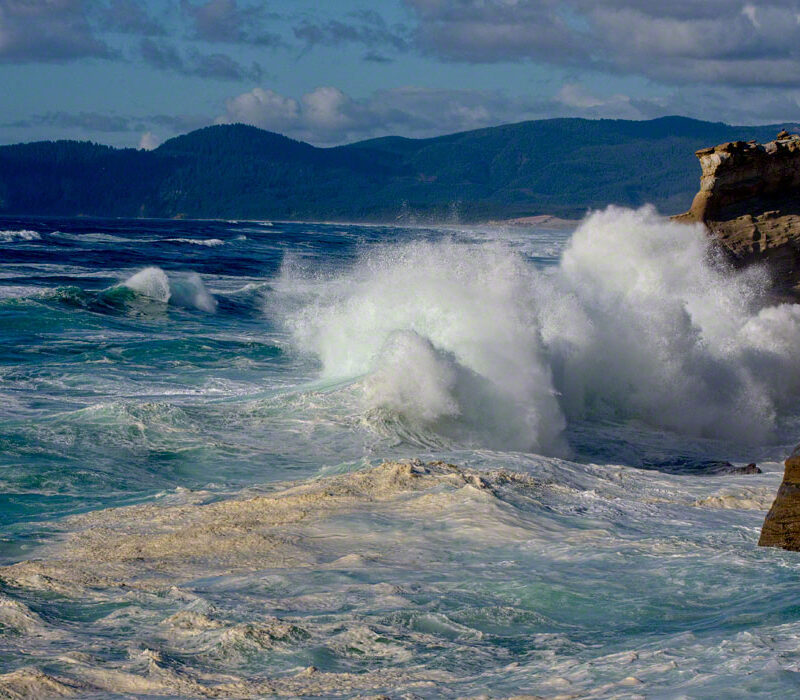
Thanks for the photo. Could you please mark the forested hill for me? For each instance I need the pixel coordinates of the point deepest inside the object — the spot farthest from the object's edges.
(553, 166)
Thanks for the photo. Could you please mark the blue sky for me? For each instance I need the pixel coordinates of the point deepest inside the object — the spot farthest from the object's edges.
(133, 73)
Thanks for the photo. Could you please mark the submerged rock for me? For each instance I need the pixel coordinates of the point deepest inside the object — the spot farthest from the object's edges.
(749, 199)
(699, 467)
(751, 468)
(782, 524)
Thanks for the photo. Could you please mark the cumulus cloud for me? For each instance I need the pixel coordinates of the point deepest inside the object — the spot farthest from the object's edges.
(219, 66)
(263, 108)
(327, 115)
(47, 30)
(678, 42)
(148, 141)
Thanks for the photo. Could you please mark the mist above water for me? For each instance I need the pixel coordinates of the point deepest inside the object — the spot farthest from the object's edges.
(471, 342)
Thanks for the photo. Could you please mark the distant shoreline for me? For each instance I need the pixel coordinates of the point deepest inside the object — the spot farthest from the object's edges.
(541, 220)
(527, 174)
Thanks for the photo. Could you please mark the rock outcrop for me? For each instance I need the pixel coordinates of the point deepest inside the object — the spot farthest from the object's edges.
(749, 199)
(782, 524)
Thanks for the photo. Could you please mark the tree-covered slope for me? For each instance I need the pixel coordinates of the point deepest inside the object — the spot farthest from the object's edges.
(555, 166)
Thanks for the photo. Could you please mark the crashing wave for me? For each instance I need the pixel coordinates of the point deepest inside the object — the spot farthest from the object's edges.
(640, 320)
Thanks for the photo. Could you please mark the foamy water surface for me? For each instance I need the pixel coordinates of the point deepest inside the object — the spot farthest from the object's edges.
(195, 417)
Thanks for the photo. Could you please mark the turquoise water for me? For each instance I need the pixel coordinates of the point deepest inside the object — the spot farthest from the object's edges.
(191, 410)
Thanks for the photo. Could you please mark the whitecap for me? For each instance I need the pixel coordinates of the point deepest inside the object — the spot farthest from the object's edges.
(184, 290)
(208, 242)
(151, 282)
(9, 236)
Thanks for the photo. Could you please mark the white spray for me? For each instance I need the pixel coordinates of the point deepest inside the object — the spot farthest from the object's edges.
(187, 291)
(639, 320)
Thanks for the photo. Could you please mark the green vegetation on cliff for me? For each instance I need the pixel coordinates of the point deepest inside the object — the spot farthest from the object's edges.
(553, 166)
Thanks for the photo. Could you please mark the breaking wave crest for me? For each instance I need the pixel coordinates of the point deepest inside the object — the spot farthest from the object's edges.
(144, 287)
(9, 236)
(187, 291)
(208, 242)
(640, 320)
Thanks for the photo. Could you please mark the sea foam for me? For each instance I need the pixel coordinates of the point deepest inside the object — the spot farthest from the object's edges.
(640, 320)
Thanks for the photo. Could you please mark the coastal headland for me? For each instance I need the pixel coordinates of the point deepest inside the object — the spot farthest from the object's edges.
(748, 201)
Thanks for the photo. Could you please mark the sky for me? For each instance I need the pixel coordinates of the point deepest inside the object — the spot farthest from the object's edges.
(134, 73)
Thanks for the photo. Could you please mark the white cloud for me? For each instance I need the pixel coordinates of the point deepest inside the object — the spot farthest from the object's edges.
(327, 115)
(681, 42)
(262, 108)
(329, 109)
(149, 141)
(575, 95)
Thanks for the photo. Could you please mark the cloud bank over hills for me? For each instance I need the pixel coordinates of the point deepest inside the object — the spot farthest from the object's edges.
(413, 67)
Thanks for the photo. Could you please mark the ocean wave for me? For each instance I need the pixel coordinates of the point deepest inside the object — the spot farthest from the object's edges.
(95, 237)
(109, 300)
(639, 320)
(10, 236)
(187, 291)
(208, 242)
(136, 293)
(247, 300)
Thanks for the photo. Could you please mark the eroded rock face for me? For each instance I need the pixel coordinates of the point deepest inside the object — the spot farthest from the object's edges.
(749, 199)
(782, 524)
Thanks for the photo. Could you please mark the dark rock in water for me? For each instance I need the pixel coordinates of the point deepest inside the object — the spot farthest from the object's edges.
(749, 199)
(782, 524)
(699, 467)
(751, 468)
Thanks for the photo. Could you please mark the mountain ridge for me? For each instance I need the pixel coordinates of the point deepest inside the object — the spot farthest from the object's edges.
(560, 166)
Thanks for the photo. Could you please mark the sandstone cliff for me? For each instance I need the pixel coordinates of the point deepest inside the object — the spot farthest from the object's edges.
(749, 199)
(782, 524)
